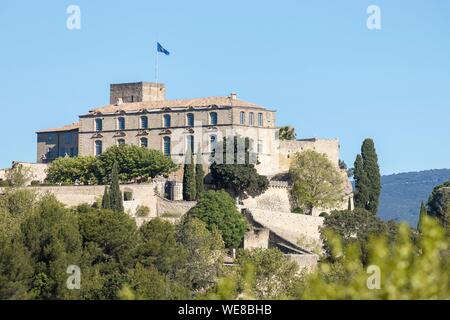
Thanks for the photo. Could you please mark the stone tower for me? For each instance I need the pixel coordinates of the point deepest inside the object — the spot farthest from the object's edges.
(137, 92)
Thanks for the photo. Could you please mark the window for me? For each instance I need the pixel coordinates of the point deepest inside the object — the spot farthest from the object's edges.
(166, 121)
(260, 146)
(67, 138)
(190, 119)
(98, 124)
(144, 122)
(260, 119)
(213, 118)
(144, 142)
(212, 143)
(190, 144)
(166, 146)
(242, 117)
(251, 118)
(121, 123)
(120, 142)
(98, 147)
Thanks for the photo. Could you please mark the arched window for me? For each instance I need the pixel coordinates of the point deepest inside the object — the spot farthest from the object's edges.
(190, 119)
(213, 118)
(144, 142)
(121, 123)
(166, 147)
(120, 142)
(166, 120)
(212, 143)
(98, 124)
(251, 120)
(98, 147)
(144, 122)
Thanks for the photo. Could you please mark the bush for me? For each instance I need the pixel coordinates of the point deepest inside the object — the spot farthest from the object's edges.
(35, 183)
(5, 184)
(128, 196)
(142, 211)
(218, 210)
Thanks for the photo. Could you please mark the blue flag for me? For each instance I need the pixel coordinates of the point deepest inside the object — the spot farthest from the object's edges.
(161, 49)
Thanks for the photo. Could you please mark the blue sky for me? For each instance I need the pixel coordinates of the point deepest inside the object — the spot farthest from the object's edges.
(314, 61)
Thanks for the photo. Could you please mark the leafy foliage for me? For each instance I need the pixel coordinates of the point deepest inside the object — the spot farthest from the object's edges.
(439, 204)
(355, 226)
(189, 183)
(240, 178)
(19, 176)
(287, 133)
(218, 210)
(367, 178)
(134, 164)
(115, 195)
(315, 181)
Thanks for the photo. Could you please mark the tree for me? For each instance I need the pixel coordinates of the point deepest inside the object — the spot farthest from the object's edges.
(18, 175)
(218, 210)
(439, 203)
(147, 283)
(199, 178)
(52, 238)
(361, 197)
(158, 247)
(204, 250)
(316, 182)
(115, 194)
(189, 183)
(287, 133)
(239, 178)
(106, 199)
(410, 270)
(355, 226)
(274, 275)
(135, 163)
(367, 178)
(422, 214)
(78, 170)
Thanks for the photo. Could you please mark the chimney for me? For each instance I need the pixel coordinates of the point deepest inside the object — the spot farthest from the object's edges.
(233, 96)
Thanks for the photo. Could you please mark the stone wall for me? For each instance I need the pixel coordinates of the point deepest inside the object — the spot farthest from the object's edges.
(276, 198)
(143, 195)
(257, 238)
(173, 208)
(38, 171)
(305, 262)
(299, 229)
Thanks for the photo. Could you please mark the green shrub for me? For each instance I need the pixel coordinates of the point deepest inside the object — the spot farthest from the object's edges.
(35, 183)
(128, 196)
(142, 211)
(5, 183)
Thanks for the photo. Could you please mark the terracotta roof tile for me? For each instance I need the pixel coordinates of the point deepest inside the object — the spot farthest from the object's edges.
(181, 103)
(70, 127)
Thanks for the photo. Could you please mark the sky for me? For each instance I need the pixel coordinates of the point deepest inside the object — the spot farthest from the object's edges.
(314, 61)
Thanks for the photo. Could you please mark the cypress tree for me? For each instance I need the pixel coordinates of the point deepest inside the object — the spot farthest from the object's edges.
(372, 171)
(361, 184)
(115, 193)
(422, 214)
(106, 200)
(199, 177)
(189, 183)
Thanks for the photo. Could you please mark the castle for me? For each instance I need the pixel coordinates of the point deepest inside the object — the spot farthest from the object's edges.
(140, 114)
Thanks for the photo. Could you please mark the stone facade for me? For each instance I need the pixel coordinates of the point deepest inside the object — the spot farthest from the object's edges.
(58, 142)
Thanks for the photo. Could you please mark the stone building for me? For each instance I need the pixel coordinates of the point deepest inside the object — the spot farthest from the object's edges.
(140, 114)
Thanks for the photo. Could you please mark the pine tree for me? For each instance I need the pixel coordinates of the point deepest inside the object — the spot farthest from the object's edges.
(115, 193)
(106, 200)
(189, 183)
(372, 171)
(423, 213)
(199, 178)
(361, 197)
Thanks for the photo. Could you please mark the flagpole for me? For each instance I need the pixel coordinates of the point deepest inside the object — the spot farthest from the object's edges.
(156, 69)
